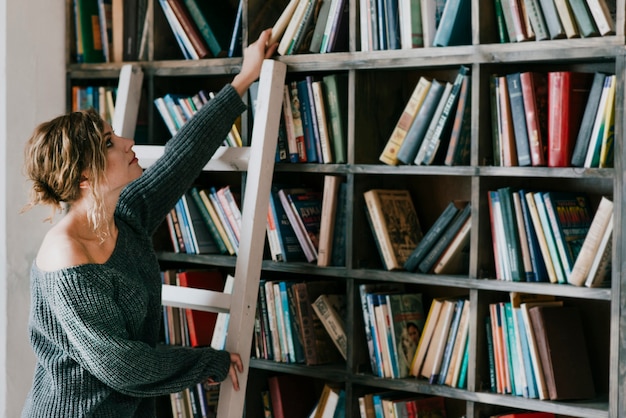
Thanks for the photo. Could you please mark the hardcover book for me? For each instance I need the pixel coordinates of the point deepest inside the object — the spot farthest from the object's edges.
(561, 343)
(395, 224)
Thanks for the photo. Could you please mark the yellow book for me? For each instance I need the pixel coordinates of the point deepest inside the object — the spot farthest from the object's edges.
(390, 152)
(217, 221)
(608, 133)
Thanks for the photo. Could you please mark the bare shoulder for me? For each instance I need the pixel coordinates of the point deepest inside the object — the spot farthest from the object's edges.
(60, 249)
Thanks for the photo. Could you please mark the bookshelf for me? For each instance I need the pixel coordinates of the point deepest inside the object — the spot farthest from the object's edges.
(388, 77)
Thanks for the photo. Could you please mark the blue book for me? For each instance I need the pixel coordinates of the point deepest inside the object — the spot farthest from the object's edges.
(452, 335)
(234, 48)
(455, 26)
(308, 122)
(530, 389)
(547, 231)
(540, 274)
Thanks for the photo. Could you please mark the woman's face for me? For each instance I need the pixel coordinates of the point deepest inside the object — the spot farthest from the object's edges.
(122, 165)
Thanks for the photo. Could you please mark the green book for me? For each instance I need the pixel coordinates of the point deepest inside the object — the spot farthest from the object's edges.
(336, 93)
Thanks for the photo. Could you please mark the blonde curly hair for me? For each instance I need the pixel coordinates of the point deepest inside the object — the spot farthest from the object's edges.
(59, 155)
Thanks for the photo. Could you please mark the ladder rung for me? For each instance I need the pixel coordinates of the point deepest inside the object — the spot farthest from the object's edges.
(198, 299)
(224, 159)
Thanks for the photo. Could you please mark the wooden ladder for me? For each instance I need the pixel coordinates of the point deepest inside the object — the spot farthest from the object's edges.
(241, 304)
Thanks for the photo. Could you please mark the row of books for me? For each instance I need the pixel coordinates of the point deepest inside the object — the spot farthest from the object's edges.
(406, 24)
(177, 109)
(533, 341)
(540, 236)
(394, 320)
(100, 98)
(204, 30)
(554, 119)
(374, 405)
(434, 127)
(442, 352)
(110, 30)
(300, 322)
(192, 328)
(552, 19)
(313, 121)
(403, 245)
(206, 221)
(317, 26)
(308, 225)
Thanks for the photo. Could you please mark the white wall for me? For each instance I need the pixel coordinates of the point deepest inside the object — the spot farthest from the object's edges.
(32, 89)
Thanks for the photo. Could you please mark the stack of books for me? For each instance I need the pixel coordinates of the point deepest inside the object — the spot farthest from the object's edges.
(434, 127)
(206, 221)
(442, 355)
(317, 26)
(204, 30)
(532, 341)
(394, 320)
(540, 237)
(554, 119)
(406, 24)
(177, 109)
(543, 20)
(300, 322)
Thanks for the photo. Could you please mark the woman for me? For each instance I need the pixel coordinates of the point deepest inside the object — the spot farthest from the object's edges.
(95, 283)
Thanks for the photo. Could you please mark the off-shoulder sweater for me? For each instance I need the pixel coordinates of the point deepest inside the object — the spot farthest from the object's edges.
(95, 328)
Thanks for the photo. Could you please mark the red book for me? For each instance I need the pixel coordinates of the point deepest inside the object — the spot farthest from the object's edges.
(535, 97)
(567, 96)
(201, 323)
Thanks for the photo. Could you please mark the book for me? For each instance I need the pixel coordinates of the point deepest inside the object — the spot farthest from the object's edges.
(454, 27)
(336, 94)
(181, 12)
(592, 154)
(589, 248)
(338, 256)
(407, 319)
(559, 269)
(105, 20)
(234, 47)
(535, 97)
(291, 395)
(282, 22)
(128, 97)
(431, 236)
(441, 131)
(411, 33)
(583, 18)
(453, 334)
(214, 22)
(318, 346)
(200, 233)
(417, 130)
(600, 270)
(229, 204)
(395, 224)
(459, 145)
(566, 15)
(304, 239)
(518, 114)
(605, 158)
(201, 324)
(330, 198)
(219, 226)
(389, 154)
(366, 295)
(561, 343)
(567, 95)
(455, 258)
(203, 211)
(570, 216)
(320, 25)
(541, 237)
(434, 355)
(430, 260)
(307, 207)
(524, 241)
(505, 120)
(292, 26)
(419, 158)
(89, 46)
(602, 17)
(458, 349)
(333, 323)
(290, 129)
(322, 121)
(511, 235)
(290, 249)
(309, 122)
(537, 19)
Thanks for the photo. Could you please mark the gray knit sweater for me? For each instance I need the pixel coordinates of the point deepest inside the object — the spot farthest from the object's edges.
(95, 327)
